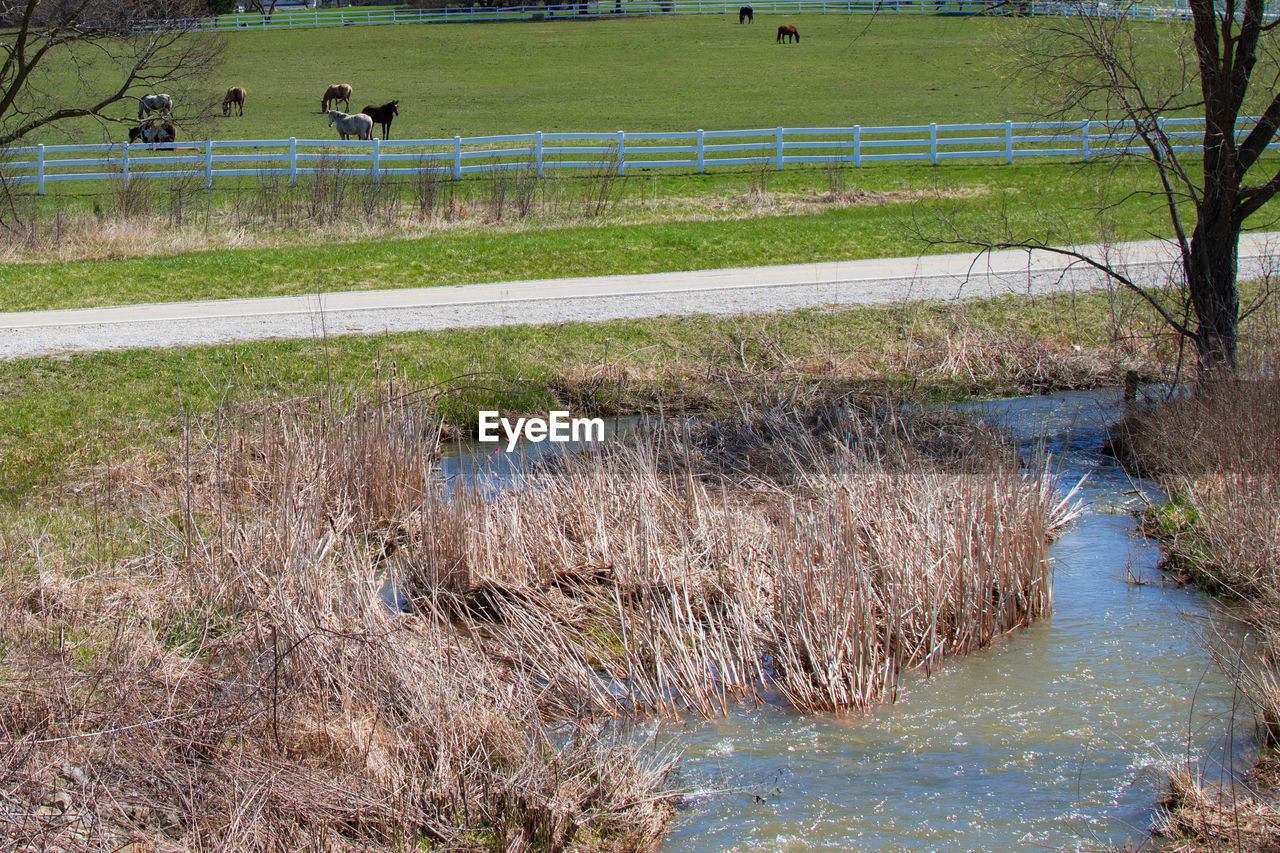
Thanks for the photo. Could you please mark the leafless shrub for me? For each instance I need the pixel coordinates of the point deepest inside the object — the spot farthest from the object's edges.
(379, 201)
(497, 201)
(327, 192)
(426, 186)
(131, 198)
(525, 184)
(600, 185)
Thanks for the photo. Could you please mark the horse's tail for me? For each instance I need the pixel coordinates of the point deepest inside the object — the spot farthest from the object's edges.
(142, 108)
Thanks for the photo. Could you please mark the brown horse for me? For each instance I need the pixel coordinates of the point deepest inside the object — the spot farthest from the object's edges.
(336, 92)
(788, 32)
(235, 97)
(383, 115)
(746, 14)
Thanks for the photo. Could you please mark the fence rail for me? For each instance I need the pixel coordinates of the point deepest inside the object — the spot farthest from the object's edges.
(620, 151)
(615, 8)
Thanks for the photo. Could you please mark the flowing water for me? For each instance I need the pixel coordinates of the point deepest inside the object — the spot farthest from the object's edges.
(1051, 739)
(1054, 738)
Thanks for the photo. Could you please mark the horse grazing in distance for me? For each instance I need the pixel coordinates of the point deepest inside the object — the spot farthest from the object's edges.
(359, 125)
(235, 97)
(788, 32)
(383, 115)
(746, 14)
(149, 104)
(336, 92)
(153, 133)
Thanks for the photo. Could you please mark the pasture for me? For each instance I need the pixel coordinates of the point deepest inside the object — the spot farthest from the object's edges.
(661, 73)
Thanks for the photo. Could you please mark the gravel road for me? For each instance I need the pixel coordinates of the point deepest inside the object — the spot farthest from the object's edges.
(726, 291)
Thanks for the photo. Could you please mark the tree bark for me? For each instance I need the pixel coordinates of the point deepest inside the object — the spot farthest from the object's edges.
(1211, 284)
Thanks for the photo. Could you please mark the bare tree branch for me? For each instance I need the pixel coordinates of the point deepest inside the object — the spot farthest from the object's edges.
(112, 50)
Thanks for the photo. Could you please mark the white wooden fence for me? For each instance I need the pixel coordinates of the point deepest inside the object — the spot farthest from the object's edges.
(623, 152)
(465, 12)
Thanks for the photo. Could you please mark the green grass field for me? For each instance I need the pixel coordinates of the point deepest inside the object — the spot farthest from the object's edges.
(663, 73)
(1056, 201)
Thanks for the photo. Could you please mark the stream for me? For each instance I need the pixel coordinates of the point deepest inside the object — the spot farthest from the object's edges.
(1054, 738)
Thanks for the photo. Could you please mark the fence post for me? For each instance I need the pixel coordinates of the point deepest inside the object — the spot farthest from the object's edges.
(702, 151)
(208, 164)
(457, 158)
(778, 154)
(40, 169)
(124, 162)
(537, 152)
(622, 151)
(1084, 139)
(376, 168)
(1008, 141)
(293, 161)
(857, 146)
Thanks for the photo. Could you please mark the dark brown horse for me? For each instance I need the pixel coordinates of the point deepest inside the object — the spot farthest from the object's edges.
(746, 14)
(788, 32)
(383, 115)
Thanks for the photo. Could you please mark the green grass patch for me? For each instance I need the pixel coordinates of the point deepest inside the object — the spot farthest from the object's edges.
(658, 225)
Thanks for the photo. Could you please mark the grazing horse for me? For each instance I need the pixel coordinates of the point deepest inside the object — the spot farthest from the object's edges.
(383, 115)
(153, 133)
(359, 124)
(336, 92)
(149, 104)
(788, 32)
(235, 97)
(746, 13)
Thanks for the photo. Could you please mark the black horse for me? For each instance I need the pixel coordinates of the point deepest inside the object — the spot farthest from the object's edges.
(745, 15)
(383, 115)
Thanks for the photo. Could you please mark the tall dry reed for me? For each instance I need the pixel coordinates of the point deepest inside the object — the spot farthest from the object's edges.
(244, 683)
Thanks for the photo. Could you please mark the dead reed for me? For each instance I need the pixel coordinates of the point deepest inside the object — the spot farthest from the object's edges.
(240, 681)
(1215, 453)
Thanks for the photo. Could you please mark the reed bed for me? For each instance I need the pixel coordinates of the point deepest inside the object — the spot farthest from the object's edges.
(243, 683)
(814, 556)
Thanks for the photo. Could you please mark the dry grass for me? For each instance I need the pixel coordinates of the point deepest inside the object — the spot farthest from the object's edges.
(1215, 452)
(149, 218)
(958, 355)
(1202, 819)
(240, 683)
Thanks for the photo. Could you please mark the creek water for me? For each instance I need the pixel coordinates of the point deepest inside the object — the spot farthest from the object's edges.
(1053, 738)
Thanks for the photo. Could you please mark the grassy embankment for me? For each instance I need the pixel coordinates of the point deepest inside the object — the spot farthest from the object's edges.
(1216, 455)
(650, 225)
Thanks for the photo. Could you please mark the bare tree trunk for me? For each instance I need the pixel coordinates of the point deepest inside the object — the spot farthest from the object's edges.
(1211, 283)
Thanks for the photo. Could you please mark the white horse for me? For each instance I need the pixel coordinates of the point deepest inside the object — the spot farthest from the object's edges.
(149, 104)
(359, 124)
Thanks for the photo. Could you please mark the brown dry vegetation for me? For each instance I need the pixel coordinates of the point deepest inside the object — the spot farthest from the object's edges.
(1216, 453)
(237, 682)
(151, 217)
